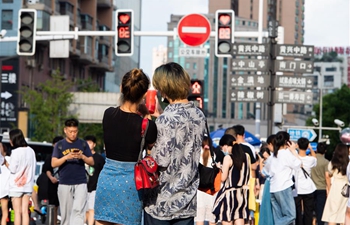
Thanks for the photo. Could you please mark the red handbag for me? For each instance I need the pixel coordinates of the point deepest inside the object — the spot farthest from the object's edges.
(146, 169)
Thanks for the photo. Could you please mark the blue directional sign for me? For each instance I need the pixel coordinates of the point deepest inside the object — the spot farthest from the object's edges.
(295, 134)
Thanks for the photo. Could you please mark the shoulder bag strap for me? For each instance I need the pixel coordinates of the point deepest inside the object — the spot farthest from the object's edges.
(210, 145)
(144, 128)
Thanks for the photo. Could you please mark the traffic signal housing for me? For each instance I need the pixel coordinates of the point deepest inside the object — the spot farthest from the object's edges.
(224, 24)
(124, 40)
(27, 32)
(197, 92)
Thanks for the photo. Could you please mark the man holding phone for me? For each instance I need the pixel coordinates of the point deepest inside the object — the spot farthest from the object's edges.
(70, 155)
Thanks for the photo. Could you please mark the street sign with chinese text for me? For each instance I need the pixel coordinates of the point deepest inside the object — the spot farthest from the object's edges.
(9, 93)
(249, 96)
(250, 80)
(250, 64)
(295, 97)
(302, 51)
(294, 82)
(295, 134)
(193, 52)
(245, 49)
(294, 66)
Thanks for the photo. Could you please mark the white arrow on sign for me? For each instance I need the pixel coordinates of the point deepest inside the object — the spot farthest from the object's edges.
(309, 132)
(6, 95)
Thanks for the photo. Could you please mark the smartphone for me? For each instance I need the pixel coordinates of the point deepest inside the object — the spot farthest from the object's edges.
(261, 155)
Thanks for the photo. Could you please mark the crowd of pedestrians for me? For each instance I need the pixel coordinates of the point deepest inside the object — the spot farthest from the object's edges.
(278, 183)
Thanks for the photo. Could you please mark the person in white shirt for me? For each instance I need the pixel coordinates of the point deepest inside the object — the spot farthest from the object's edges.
(22, 171)
(4, 186)
(284, 160)
(305, 187)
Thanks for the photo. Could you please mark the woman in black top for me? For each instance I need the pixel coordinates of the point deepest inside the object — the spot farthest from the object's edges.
(117, 200)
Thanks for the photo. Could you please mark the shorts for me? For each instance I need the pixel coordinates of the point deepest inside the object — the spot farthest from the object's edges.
(14, 194)
(91, 200)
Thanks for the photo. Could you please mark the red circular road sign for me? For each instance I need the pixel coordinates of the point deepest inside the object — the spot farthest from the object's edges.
(194, 29)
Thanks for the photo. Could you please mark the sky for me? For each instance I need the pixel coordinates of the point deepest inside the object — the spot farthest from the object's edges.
(327, 22)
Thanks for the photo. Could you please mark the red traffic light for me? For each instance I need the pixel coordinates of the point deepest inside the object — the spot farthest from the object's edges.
(124, 40)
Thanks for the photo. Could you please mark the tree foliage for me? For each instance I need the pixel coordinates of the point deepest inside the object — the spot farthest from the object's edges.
(48, 105)
(329, 57)
(335, 106)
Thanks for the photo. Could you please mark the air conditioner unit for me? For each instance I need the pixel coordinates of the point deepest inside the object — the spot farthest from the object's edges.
(32, 2)
(30, 63)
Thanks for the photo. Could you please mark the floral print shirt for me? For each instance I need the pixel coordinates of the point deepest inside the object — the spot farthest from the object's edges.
(180, 134)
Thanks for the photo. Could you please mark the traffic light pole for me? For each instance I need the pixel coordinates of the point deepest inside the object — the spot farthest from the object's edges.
(66, 35)
(272, 27)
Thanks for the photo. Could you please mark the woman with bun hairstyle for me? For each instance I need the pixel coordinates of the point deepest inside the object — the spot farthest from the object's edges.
(117, 201)
(231, 203)
(284, 161)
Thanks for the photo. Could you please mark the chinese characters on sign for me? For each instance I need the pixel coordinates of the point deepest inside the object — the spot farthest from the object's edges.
(302, 51)
(245, 80)
(339, 50)
(249, 96)
(294, 82)
(250, 50)
(193, 52)
(294, 66)
(295, 97)
(8, 106)
(250, 65)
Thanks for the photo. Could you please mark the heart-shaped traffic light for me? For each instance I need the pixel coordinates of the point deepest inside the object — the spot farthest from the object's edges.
(124, 18)
(124, 40)
(224, 32)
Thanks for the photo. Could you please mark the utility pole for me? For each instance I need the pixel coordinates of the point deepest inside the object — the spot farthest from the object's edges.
(272, 32)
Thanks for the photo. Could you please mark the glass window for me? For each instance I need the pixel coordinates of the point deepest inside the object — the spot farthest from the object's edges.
(7, 1)
(6, 19)
(170, 44)
(194, 66)
(329, 69)
(194, 76)
(187, 66)
(170, 55)
(329, 81)
(237, 22)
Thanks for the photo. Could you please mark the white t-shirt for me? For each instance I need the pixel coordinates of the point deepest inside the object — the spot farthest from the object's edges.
(22, 167)
(281, 170)
(4, 179)
(305, 185)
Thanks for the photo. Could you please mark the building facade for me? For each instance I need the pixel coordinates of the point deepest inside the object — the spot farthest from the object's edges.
(289, 14)
(90, 57)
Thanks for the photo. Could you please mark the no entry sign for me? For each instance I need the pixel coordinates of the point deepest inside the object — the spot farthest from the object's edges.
(194, 29)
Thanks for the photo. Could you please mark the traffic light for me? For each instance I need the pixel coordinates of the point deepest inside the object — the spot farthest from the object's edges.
(124, 40)
(27, 32)
(225, 21)
(196, 94)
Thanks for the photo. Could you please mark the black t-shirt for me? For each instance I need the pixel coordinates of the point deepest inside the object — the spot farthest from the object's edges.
(247, 150)
(95, 170)
(122, 134)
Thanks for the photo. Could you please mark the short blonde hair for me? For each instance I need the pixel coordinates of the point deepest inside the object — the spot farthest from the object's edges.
(172, 81)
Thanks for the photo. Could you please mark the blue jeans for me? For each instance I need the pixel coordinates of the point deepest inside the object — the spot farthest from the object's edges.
(149, 220)
(283, 207)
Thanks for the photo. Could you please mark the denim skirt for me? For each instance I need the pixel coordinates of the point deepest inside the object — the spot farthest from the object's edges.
(117, 200)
